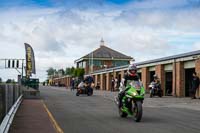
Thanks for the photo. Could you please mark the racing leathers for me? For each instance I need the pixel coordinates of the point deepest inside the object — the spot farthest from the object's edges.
(123, 88)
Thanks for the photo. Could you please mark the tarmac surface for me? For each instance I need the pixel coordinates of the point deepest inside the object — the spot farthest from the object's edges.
(32, 117)
(99, 114)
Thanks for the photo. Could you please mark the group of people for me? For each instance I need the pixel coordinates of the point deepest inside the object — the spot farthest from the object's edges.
(132, 75)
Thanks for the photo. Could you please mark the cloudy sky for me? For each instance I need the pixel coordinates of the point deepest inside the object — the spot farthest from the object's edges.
(61, 31)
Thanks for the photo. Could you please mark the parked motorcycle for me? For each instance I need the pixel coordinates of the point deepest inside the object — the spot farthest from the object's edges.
(155, 90)
(132, 101)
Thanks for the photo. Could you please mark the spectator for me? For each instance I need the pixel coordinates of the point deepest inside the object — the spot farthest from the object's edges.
(72, 84)
(195, 85)
(112, 84)
(116, 83)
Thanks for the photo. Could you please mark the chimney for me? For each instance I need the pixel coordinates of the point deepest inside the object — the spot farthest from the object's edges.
(101, 42)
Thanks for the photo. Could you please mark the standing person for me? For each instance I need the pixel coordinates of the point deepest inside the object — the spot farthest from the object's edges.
(195, 84)
(116, 83)
(72, 84)
(112, 84)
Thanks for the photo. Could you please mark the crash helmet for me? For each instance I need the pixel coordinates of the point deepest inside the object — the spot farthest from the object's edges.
(132, 70)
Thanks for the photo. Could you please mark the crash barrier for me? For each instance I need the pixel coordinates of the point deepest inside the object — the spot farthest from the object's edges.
(9, 94)
(8, 119)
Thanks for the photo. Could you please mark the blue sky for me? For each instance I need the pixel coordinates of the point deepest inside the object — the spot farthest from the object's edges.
(51, 3)
(143, 29)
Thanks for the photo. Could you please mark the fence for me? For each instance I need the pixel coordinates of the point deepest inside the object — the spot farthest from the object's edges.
(9, 93)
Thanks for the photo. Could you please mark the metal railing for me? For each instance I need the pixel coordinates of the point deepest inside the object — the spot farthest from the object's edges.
(9, 93)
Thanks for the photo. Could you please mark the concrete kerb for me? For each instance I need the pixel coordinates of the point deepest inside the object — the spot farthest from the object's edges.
(8, 119)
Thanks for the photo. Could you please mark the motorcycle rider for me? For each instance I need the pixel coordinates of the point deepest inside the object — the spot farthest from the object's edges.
(130, 75)
(89, 81)
(156, 83)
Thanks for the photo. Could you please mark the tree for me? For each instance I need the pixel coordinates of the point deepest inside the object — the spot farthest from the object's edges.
(51, 71)
(72, 71)
(67, 71)
(80, 72)
(75, 72)
(10, 81)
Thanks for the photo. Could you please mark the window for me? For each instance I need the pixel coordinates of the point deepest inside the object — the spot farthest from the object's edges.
(84, 64)
(80, 65)
(120, 63)
(97, 63)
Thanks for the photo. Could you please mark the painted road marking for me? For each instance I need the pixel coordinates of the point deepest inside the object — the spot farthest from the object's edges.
(55, 124)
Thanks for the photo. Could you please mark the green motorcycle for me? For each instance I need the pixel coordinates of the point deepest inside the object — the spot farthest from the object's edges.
(132, 100)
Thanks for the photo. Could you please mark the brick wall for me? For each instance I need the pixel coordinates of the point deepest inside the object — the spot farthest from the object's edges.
(180, 79)
(108, 63)
(86, 69)
(174, 80)
(160, 72)
(96, 80)
(122, 74)
(108, 81)
(145, 78)
(197, 69)
(101, 81)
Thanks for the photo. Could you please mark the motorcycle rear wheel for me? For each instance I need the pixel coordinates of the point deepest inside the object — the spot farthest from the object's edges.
(151, 94)
(77, 94)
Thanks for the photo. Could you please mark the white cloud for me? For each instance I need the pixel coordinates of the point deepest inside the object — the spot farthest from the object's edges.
(196, 46)
(59, 35)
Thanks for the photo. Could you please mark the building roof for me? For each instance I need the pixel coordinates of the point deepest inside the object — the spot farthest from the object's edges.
(193, 53)
(105, 52)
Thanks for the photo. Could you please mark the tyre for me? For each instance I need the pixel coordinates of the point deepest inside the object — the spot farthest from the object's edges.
(122, 114)
(89, 94)
(137, 110)
(77, 94)
(92, 92)
(160, 93)
(151, 95)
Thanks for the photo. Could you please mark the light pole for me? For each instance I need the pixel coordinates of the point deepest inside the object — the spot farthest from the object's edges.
(90, 62)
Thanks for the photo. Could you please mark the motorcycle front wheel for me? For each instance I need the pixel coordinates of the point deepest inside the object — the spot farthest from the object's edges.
(137, 110)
